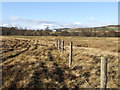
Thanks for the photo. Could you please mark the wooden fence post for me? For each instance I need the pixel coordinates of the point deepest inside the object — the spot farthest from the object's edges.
(70, 55)
(56, 43)
(62, 46)
(103, 78)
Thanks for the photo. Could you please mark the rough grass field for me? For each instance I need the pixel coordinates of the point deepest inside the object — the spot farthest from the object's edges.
(34, 62)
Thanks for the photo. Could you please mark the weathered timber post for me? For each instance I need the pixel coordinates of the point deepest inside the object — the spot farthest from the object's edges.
(62, 46)
(58, 44)
(103, 78)
(70, 55)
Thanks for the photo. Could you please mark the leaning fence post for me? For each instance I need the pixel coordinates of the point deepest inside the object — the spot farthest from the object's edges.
(62, 46)
(103, 78)
(70, 55)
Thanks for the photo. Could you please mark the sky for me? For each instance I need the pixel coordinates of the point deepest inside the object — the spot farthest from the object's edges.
(39, 15)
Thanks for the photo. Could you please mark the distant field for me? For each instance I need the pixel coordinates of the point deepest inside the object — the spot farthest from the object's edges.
(34, 61)
(113, 29)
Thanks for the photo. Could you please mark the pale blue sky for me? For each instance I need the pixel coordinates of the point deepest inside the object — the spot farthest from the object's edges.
(59, 14)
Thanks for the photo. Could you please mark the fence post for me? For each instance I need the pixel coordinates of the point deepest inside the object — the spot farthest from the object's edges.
(103, 78)
(70, 55)
(62, 46)
(56, 43)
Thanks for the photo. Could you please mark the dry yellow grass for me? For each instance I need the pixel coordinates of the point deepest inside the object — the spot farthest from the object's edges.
(33, 61)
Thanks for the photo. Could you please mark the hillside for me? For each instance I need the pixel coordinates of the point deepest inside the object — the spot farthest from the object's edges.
(84, 32)
(106, 28)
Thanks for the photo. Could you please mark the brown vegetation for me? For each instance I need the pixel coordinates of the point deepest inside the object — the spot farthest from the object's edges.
(86, 32)
(34, 62)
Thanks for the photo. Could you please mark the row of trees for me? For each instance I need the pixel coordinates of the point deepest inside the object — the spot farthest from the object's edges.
(24, 32)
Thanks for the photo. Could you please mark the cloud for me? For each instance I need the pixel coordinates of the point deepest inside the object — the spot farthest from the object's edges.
(92, 18)
(13, 18)
(4, 25)
(77, 23)
(18, 19)
(41, 24)
(9, 25)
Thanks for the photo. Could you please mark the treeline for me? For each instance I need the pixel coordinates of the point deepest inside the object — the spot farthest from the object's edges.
(9, 31)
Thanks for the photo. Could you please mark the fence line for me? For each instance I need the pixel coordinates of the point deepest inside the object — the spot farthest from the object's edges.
(103, 75)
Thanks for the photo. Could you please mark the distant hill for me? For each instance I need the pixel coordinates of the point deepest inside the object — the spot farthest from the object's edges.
(106, 28)
(84, 32)
(113, 26)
